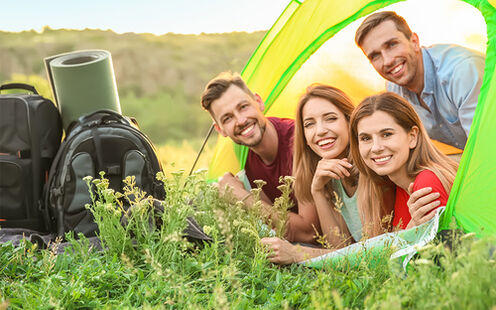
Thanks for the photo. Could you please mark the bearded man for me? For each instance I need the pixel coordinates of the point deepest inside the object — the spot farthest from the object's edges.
(238, 114)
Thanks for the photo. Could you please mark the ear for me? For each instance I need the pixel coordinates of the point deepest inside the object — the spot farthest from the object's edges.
(219, 130)
(414, 40)
(413, 137)
(260, 102)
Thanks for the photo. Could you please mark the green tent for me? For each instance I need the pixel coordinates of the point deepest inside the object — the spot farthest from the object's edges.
(290, 46)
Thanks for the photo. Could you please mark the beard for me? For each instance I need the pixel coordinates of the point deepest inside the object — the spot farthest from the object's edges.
(252, 141)
(411, 74)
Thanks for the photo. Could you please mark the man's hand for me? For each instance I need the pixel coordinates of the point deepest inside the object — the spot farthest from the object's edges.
(420, 204)
(234, 183)
(328, 169)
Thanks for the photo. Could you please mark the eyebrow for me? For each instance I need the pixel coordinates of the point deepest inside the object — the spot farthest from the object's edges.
(380, 131)
(221, 118)
(324, 115)
(373, 53)
(242, 101)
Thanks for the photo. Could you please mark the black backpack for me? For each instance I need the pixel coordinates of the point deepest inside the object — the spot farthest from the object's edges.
(30, 134)
(101, 141)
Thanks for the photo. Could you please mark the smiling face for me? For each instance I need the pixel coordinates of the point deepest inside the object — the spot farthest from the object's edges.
(325, 128)
(394, 57)
(239, 116)
(385, 146)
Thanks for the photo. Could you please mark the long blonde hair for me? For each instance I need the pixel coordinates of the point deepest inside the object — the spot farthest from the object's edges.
(304, 159)
(423, 156)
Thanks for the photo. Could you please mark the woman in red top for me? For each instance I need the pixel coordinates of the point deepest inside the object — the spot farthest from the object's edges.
(390, 144)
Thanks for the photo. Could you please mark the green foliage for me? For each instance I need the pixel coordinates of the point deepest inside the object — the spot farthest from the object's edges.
(167, 117)
(152, 265)
(460, 277)
(145, 64)
(159, 78)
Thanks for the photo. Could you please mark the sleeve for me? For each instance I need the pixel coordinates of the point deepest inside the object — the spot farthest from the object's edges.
(465, 88)
(428, 178)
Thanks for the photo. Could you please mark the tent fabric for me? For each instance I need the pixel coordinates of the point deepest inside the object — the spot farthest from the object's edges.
(301, 29)
(472, 199)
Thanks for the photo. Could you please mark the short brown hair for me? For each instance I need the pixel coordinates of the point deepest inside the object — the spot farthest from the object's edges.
(376, 19)
(218, 86)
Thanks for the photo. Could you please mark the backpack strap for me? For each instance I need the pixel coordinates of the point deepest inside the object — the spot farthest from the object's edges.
(35, 158)
(94, 119)
(97, 142)
(50, 191)
(103, 116)
(19, 86)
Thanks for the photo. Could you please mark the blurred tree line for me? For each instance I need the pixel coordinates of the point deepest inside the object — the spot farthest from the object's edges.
(159, 78)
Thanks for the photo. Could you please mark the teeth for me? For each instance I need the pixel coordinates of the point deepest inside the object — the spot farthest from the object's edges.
(326, 141)
(382, 159)
(244, 132)
(397, 69)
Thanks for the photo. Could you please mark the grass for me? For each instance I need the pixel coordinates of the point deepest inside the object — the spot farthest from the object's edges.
(181, 156)
(159, 268)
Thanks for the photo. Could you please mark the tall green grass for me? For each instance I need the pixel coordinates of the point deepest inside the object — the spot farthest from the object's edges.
(152, 266)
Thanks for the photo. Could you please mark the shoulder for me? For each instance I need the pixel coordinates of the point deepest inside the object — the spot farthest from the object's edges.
(427, 178)
(279, 121)
(460, 70)
(452, 50)
(452, 57)
(284, 126)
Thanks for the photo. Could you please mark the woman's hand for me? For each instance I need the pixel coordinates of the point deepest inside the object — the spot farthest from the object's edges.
(420, 204)
(328, 169)
(283, 252)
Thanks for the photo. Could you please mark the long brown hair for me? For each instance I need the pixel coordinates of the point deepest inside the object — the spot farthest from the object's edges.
(305, 160)
(423, 156)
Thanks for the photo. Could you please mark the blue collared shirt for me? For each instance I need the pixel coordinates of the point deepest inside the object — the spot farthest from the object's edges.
(452, 80)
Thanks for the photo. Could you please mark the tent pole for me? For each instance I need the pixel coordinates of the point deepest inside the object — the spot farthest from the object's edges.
(201, 149)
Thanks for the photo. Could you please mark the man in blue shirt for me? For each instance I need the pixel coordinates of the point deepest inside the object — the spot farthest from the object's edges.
(442, 82)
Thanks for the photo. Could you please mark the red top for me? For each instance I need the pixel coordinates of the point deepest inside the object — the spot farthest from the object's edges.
(256, 169)
(425, 178)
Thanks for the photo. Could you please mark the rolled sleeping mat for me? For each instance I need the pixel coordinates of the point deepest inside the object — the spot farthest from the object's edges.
(82, 82)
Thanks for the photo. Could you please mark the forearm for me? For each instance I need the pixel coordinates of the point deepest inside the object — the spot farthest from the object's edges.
(303, 253)
(283, 252)
(266, 209)
(300, 229)
(334, 229)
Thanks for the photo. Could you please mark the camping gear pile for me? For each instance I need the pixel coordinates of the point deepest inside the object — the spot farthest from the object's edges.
(41, 182)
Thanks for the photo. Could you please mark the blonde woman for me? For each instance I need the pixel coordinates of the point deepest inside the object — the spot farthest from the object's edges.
(324, 174)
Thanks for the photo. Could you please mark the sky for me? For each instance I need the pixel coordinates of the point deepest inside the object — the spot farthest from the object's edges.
(153, 16)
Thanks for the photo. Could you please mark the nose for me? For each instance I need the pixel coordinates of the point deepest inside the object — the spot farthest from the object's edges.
(241, 119)
(377, 146)
(388, 59)
(321, 129)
